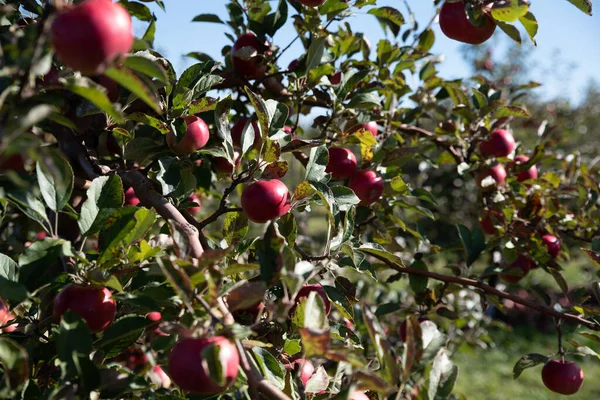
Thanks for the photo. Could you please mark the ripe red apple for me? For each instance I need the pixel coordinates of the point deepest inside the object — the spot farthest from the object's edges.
(367, 185)
(311, 3)
(369, 126)
(487, 222)
(305, 291)
(524, 264)
(112, 87)
(342, 163)
(238, 129)
(187, 367)
(265, 200)
(307, 369)
(553, 245)
(3, 311)
(288, 129)
(531, 173)
(336, 78)
(159, 377)
(89, 36)
(358, 396)
(131, 198)
(14, 162)
(500, 144)
(564, 377)
(9, 328)
(93, 303)
(133, 358)
(455, 25)
(223, 166)
(194, 199)
(255, 66)
(498, 174)
(403, 325)
(195, 137)
(292, 65)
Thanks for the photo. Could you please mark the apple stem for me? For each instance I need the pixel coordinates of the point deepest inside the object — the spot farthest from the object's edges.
(561, 350)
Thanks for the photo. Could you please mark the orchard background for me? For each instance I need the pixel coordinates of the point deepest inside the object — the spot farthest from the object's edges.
(348, 226)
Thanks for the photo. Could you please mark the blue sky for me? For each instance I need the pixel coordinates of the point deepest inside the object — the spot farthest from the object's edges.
(563, 30)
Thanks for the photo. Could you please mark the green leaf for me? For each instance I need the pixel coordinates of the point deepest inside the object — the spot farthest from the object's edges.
(511, 31)
(122, 334)
(269, 367)
(235, 227)
(442, 376)
(286, 225)
(315, 53)
(583, 5)
(310, 312)
(93, 92)
(418, 283)
(344, 197)
(364, 100)
(207, 18)
(15, 363)
(150, 121)
(55, 178)
(104, 197)
(528, 361)
(41, 261)
(33, 116)
(292, 347)
(377, 250)
(509, 10)
(340, 301)
(317, 162)
(135, 85)
(147, 64)
(29, 205)
(141, 149)
(385, 354)
(473, 242)
(512, 111)
(194, 81)
(531, 26)
(202, 105)
(390, 17)
(138, 10)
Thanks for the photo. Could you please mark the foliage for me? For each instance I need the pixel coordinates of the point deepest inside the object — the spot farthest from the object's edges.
(91, 193)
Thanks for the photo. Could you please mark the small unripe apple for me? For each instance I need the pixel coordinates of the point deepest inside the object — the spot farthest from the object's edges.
(93, 303)
(500, 144)
(523, 264)
(188, 369)
(403, 327)
(263, 201)
(372, 127)
(131, 198)
(222, 165)
(342, 163)
(498, 174)
(238, 129)
(564, 377)
(89, 36)
(336, 78)
(305, 292)
(553, 245)
(455, 25)
(251, 67)
(195, 137)
(194, 199)
(487, 222)
(307, 369)
(311, 3)
(531, 173)
(367, 185)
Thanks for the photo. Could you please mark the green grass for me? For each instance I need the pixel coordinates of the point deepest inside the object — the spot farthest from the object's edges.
(487, 374)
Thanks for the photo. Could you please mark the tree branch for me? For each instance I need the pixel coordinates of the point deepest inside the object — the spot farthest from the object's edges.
(414, 130)
(493, 291)
(144, 190)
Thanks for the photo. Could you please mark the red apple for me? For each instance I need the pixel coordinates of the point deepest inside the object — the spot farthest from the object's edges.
(498, 174)
(305, 291)
(153, 330)
(112, 88)
(531, 173)
(93, 303)
(311, 3)
(12, 327)
(195, 137)
(367, 185)
(336, 78)
(564, 377)
(553, 245)
(194, 199)
(522, 263)
(288, 129)
(160, 377)
(358, 396)
(3, 311)
(455, 25)
(89, 36)
(238, 129)
(252, 67)
(293, 65)
(131, 198)
(265, 200)
(188, 369)
(14, 162)
(500, 144)
(222, 165)
(342, 163)
(369, 126)
(487, 222)
(403, 325)
(307, 369)
(133, 358)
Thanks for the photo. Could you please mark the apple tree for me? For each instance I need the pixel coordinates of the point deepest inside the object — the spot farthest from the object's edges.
(325, 229)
